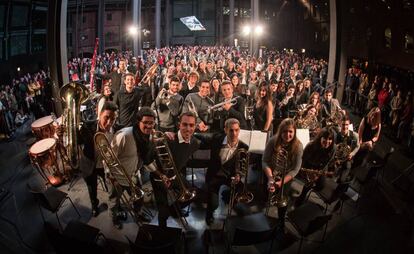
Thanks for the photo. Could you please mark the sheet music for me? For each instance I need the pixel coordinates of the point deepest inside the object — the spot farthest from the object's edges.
(303, 136)
(256, 140)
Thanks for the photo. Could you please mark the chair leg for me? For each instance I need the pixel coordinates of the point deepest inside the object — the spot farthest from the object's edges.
(60, 225)
(300, 244)
(74, 206)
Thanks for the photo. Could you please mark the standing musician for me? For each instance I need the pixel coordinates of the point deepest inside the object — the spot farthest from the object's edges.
(132, 147)
(222, 165)
(91, 162)
(191, 86)
(263, 109)
(116, 76)
(182, 145)
(168, 104)
(287, 104)
(330, 107)
(285, 138)
(347, 142)
(127, 100)
(317, 155)
(228, 110)
(198, 103)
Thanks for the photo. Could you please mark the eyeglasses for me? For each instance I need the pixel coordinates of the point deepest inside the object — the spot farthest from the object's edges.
(148, 123)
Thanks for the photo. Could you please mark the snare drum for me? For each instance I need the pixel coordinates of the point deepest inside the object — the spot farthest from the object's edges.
(43, 128)
(43, 157)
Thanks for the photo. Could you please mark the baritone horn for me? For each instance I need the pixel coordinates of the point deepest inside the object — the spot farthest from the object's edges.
(73, 95)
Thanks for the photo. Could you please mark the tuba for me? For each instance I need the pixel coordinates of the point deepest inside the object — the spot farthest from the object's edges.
(73, 95)
(167, 163)
(279, 162)
(119, 174)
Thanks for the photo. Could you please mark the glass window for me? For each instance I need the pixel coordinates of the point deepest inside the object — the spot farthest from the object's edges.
(39, 42)
(2, 14)
(39, 19)
(226, 10)
(19, 16)
(18, 45)
(109, 16)
(409, 42)
(388, 37)
(1, 48)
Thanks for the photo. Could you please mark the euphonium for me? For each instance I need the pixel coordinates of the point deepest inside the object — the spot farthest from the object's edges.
(167, 163)
(279, 173)
(118, 173)
(73, 94)
(242, 160)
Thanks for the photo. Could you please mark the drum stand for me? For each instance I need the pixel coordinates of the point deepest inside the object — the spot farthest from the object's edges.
(71, 174)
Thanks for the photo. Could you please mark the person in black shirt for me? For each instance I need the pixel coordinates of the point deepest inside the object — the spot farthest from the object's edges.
(127, 100)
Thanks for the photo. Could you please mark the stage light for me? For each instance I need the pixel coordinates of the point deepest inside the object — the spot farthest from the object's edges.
(303, 51)
(246, 29)
(18, 68)
(258, 30)
(133, 30)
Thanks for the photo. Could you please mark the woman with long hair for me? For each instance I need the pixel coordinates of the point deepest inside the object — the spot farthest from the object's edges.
(263, 108)
(317, 155)
(106, 95)
(284, 145)
(368, 133)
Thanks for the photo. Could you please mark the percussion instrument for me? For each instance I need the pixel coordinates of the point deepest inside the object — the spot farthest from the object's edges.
(43, 128)
(43, 156)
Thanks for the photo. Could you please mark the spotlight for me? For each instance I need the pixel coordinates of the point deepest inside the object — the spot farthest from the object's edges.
(18, 68)
(133, 30)
(291, 50)
(258, 30)
(303, 51)
(246, 29)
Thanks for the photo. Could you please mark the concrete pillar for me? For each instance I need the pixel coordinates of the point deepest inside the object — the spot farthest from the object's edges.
(158, 24)
(255, 22)
(333, 43)
(136, 21)
(101, 18)
(220, 22)
(231, 23)
(57, 48)
(167, 22)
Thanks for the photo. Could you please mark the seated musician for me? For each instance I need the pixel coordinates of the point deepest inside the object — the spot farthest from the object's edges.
(317, 156)
(287, 104)
(198, 103)
(168, 104)
(182, 146)
(131, 146)
(284, 141)
(91, 162)
(347, 142)
(222, 165)
(228, 110)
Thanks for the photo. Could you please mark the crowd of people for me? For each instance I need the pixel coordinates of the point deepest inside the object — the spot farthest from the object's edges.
(201, 98)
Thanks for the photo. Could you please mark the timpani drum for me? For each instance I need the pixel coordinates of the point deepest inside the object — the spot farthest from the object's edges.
(43, 156)
(43, 128)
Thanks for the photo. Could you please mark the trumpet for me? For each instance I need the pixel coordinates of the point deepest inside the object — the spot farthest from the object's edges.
(219, 106)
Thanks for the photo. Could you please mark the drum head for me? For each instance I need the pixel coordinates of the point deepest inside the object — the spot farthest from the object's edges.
(42, 122)
(42, 146)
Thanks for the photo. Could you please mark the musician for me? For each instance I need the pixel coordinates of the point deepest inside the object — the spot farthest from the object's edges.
(106, 95)
(168, 104)
(198, 103)
(285, 138)
(346, 137)
(263, 109)
(228, 110)
(191, 86)
(222, 164)
(127, 100)
(91, 162)
(318, 155)
(329, 106)
(368, 134)
(182, 146)
(133, 148)
(287, 104)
